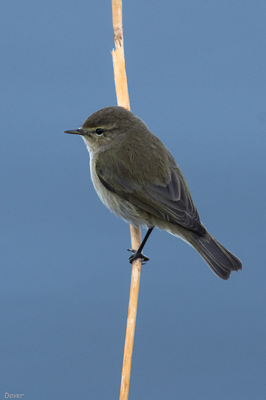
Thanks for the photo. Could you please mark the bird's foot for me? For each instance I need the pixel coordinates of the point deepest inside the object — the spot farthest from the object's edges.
(136, 255)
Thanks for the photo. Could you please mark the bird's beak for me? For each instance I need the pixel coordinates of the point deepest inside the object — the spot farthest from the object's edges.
(78, 131)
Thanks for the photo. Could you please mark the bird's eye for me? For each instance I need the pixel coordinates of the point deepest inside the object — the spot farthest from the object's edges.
(99, 131)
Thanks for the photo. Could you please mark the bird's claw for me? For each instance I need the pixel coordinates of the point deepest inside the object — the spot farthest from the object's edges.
(135, 256)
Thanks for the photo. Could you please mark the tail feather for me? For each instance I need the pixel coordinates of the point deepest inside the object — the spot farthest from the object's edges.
(220, 260)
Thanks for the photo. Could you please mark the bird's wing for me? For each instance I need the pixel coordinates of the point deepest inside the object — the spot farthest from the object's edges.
(169, 200)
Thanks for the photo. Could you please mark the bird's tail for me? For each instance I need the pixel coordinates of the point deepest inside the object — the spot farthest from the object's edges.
(220, 260)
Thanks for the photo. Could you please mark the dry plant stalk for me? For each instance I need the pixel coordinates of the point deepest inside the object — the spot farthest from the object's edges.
(123, 101)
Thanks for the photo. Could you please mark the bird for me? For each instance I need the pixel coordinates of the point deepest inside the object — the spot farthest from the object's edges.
(137, 179)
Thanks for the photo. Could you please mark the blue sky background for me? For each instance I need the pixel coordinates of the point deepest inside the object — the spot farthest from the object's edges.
(196, 75)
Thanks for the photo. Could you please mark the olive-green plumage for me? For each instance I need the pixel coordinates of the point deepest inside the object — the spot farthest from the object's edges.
(137, 178)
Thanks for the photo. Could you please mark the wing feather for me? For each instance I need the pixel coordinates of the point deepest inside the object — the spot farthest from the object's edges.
(168, 199)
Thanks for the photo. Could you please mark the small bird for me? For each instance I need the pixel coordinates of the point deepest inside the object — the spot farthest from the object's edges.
(137, 178)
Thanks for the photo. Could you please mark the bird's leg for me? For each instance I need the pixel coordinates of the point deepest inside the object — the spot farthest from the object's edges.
(138, 253)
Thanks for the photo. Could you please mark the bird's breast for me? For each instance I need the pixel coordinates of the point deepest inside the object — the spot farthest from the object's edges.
(116, 204)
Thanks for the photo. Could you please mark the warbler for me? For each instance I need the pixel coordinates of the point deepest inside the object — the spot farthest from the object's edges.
(137, 178)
